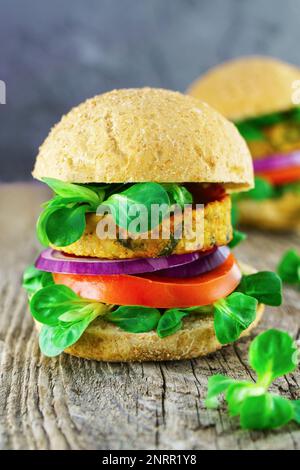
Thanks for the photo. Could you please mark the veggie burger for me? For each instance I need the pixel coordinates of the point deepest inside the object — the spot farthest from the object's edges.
(260, 95)
(137, 264)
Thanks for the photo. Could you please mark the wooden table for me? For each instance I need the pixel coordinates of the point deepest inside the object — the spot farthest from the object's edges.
(69, 403)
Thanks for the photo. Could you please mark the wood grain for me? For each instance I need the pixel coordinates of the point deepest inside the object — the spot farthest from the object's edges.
(69, 403)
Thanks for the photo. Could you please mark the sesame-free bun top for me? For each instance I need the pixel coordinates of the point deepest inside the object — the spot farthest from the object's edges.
(147, 134)
(248, 87)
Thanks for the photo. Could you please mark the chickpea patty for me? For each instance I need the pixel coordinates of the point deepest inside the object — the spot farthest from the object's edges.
(215, 228)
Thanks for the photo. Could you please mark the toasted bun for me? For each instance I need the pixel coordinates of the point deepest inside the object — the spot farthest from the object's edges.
(248, 87)
(272, 214)
(145, 134)
(104, 341)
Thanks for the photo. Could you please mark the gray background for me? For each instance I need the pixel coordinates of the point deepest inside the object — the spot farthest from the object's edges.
(54, 54)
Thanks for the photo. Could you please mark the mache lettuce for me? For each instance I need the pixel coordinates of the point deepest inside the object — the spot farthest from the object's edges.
(272, 354)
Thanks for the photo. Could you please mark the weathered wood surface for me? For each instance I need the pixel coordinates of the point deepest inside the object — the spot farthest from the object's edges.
(68, 403)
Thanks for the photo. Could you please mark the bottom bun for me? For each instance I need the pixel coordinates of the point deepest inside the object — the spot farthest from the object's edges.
(106, 342)
(103, 341)
(278, 214)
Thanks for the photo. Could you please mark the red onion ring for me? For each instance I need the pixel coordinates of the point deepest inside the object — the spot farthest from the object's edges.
(277, 161)
(56, 262)
(200, 266)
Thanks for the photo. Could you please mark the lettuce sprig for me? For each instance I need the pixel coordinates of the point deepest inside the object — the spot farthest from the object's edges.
(272, 354)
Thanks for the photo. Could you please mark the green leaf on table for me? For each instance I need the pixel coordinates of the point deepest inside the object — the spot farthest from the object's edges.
(289, 267)
(134, 319)
(264, 286)
(272, 354)
(237, 392)
(233, 315)
(266, 411)
(296, 405)
(217, 384)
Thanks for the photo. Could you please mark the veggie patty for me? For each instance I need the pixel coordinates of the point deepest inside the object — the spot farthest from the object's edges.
(217, 232)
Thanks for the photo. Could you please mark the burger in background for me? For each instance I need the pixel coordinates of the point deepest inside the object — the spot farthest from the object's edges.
(112, 284)
(261, 96)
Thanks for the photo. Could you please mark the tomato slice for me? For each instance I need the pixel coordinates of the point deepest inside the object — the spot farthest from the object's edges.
(282, 175)
(155, 291)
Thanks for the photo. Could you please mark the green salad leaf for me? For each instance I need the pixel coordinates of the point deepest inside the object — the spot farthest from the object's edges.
(266, 411)
(264, 286)
(271, 354)
(283, 189)
(46, 342)
(170, 322)
(178, 194)
(127, 205)
(262, 190)
(65, 225)
(217, 384)
(249, 131)
(66, 334)
(49, 303)
(235, 216)
(233, 315)
(238, 392)
(134, 319)
(62, 221)
(64, 315)
(289, 267)
(252, 128)
(76, 192)
(238, 237)
(296, 405)
(34, 279)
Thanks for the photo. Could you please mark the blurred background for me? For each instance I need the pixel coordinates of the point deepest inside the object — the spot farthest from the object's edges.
(56, 54)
